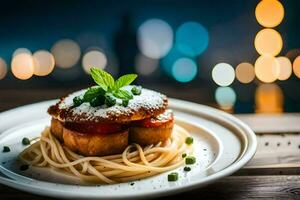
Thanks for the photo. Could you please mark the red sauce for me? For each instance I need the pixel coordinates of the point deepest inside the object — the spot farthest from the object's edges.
(159, 120)
(108, 128)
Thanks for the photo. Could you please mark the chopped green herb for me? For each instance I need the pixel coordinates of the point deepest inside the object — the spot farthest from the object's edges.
(187, 169)
(93, 92)
(24, 167)
(136, 90)
(125, 102)
(77, 101)
(183, 155)
(107, 88)
(25, 141)
(6, 149)
(110, 100)
(123, 94)
(97, 101)
(189, 160)
(173, 176)
(189, 140)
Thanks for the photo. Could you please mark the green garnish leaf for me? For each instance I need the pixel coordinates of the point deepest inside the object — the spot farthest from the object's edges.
(187, 169)
(136, 90)
(92, 93)
(110, 100)
(123, 94)
(77, 101)
(125, 102)
(189, 140)
(107, 90)
(189, 160)
(25, 141)
(6, 149)
(124, 80)
(97, 101)
(102, 78)
(183, 155)
(173, 176)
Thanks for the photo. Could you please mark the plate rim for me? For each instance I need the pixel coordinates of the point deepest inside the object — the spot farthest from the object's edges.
(246, 155)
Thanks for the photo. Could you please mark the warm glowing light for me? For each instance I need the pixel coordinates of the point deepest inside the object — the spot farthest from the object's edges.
(22, 66)
(184, 70)
(145, 65)
(245, 72)
(21, 50)
(267, 69)
(268, 42)
(43, 63)
(269, 13)
(269, 99)
(94, 58)
(66, 53)
(223, 74)
(3, 68)
(296, 66)
(155, 38)
(192, 38)
(285, 68)
(225, 97)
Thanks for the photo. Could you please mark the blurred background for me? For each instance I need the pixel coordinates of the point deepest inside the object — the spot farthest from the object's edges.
(238, 56)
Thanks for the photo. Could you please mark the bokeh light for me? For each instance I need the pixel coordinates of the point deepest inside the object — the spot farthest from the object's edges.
(244, 72)
(296, 66)
(268, 42)
(155, 38)
(94, 58)
(192, 38)
(43, 63)
(266, 69)
(3, 68)
(225, 97)
(269, 99)
(169, 60)
(269, 13)
(21, 50)
(66, 53)
(285, 68)
(184, 70)
(145, 65)
(223, 74)
(22, 66)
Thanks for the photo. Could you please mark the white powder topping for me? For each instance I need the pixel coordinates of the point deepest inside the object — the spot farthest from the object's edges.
(148, 99)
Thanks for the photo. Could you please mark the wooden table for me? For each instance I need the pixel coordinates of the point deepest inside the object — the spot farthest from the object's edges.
(248, 183)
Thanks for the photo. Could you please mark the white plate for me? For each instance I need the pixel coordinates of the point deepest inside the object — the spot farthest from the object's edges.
(223, 144)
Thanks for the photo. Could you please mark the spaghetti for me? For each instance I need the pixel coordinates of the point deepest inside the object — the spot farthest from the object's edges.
(136, 162)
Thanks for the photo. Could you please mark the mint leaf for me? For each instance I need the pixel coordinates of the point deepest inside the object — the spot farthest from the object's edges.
(93, 92)
(124, 80)
(123, 94)
(102, 78)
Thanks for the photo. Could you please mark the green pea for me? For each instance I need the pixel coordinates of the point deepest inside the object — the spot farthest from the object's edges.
(136, 90)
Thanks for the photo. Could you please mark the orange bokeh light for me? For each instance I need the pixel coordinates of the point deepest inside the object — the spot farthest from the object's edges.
(43, 63)
(269, 13)
(269, 99)
(296, 66)
(245, 72)
(267, 69)
(285, 68)
(268, 42)
(3, 68)
(22, 66)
